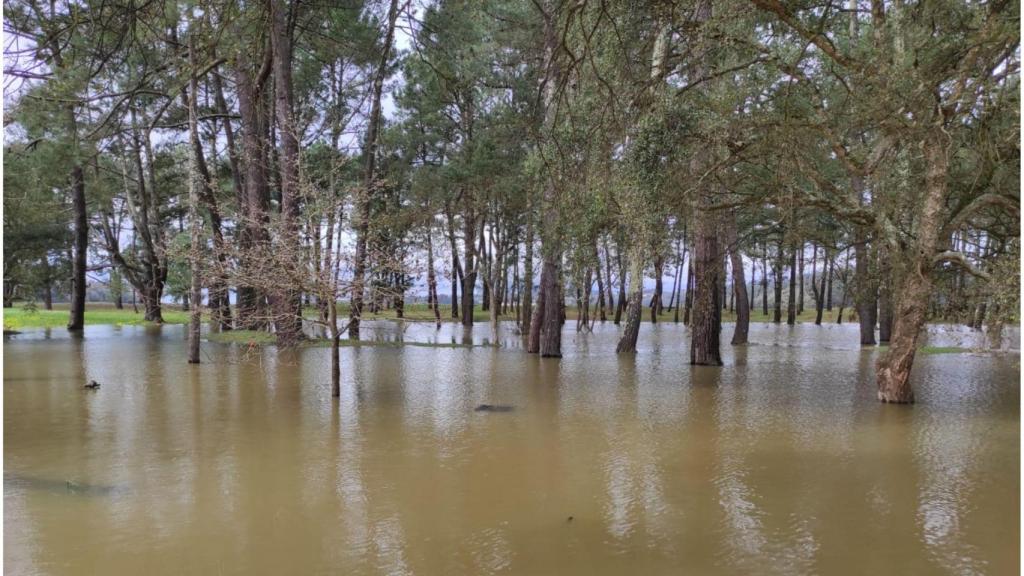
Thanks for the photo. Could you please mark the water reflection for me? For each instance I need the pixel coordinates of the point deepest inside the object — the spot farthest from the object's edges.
(780, 462)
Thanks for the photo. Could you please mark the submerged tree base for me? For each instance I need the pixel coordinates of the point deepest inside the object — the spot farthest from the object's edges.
(895, 398)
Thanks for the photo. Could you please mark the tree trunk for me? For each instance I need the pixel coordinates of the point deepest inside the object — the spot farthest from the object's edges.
(369, 177)
(551, 332)
(913, 290)
(76, 319)
(828, 289)
(251, 95)
(432, 279)
(551, 320)
(866, 291)
(777, 318)
(884, 312)
(469, 268)
(527, 306)
(753, 283)
(631, 331)
(286, 300)
(706, 326)
(764, 280)
(600, 285)
(48, 285)
(195, 222)
(688, 300)
(533, 339)
(335, 352)
(739, 283)
(151, 301)
(621, 304)
(791, 300)
(659, 271)
(608, 274)
(456, 266)
(800, 282)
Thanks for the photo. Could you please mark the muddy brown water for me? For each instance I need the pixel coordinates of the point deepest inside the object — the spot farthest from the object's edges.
(780, 462)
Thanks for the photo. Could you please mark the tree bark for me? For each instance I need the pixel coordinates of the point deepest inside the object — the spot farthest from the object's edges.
(739, 283)
(527, 306)
(778, 268)
(76, 319)
(551, 242)
(195, 222)
(432, 279)
(620, 305)
(286, 300)
(913, 290)
(369, 175)
(800, 282)
(634, 307)
(791, 300)
(659, 270)
(828, 289)
(706, 323)
(764, 280)
(866, 292)
(600, 284)
(470, 266)
(884, 298)
(252, 236)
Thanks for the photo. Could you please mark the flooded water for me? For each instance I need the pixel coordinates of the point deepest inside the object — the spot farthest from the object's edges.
(780, 462)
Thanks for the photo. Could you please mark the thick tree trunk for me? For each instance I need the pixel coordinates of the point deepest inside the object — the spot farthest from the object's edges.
(151, 301)
(914, 288)
(706, 326)
(551, 241)
(252, 238)
(287, 299)
(551, 320)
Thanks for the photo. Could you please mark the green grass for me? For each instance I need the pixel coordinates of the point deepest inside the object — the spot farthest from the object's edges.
(18, 317)
(258, 338)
